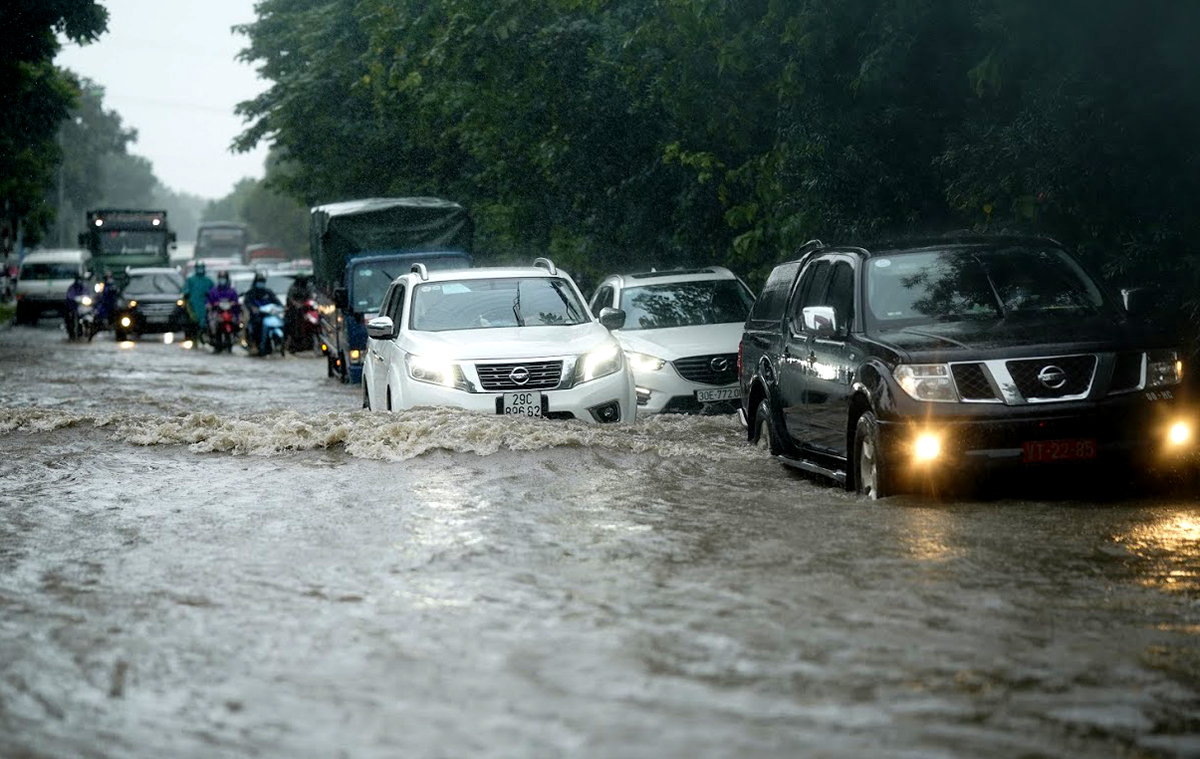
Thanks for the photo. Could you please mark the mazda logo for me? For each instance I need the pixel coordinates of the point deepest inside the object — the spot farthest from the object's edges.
(1052, 377)
(519, 375)
(719, 364)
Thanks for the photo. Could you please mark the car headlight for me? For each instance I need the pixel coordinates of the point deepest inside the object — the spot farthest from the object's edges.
(179, 302)
(433, 370)
(133, 304)
(85, 300)
(642, 362)
(599, 363)
(1163, 368)
(926, 382)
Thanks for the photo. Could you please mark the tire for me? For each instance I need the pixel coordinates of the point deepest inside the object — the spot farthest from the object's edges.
(874, 476)
(766, 436)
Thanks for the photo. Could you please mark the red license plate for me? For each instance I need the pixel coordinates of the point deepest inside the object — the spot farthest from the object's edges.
(1042, 451)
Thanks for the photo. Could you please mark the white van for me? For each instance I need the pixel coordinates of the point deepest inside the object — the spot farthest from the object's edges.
(43, 280)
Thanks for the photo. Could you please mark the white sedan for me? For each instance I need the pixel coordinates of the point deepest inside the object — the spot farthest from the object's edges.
(681, 336)
(517, 341)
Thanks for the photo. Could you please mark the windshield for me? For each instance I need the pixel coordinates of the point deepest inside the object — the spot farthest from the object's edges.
(44, 272)
(124, 242)
(492, 303)
(221, 243)
(369, 282)
(154, 284)
(912, 289)
(685, 304)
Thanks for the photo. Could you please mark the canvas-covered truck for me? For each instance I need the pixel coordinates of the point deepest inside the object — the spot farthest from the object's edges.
(119, 238)
(359, 247)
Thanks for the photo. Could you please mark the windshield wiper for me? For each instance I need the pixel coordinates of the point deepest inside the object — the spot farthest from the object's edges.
(571, 310)
(517, 306)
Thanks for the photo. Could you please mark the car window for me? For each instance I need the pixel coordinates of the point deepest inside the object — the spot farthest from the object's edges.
(494, 303)
(840, 294)
(686, 304)
(602, 298)
(43, 272)
(396, 307)
(811, 290)
(771, 301)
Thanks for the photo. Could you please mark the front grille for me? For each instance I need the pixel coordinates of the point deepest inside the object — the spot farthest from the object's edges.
(1127, 372)
(972, 382)
(715, 369)
(543, 375)
(1076, 375)
(156, 311)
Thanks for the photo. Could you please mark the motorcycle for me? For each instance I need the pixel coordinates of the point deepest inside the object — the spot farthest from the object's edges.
(307, 325)
(79, 319)
(271, 336)
(223, 325)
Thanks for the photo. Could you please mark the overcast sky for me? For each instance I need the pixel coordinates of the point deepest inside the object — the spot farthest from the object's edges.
(168, 67)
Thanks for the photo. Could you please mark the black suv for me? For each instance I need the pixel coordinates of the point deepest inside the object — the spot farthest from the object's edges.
(873, 367)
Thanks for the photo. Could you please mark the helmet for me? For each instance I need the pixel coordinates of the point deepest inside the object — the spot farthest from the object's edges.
(200, 267)
(259, 278)
(223, 277)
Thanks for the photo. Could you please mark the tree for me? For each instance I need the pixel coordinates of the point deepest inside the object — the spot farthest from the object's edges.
(35, 97)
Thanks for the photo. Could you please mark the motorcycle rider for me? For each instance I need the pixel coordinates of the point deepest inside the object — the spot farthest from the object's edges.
(255, 298)
(106, 301)
(293, 317)
(219, 292)
(195, 296)
(71, 314)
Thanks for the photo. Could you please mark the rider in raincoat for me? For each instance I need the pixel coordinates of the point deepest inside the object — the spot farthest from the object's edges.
(195, 294)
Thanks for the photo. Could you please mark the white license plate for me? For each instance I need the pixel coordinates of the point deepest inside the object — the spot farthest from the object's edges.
(521, 404)
(719, 394)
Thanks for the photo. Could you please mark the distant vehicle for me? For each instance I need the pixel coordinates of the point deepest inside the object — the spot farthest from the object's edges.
(120, 238)
(358, 249)
(681, 335)
(265, 255)
(226, 240)
(151, 301)
(43, 279)
(515, 341)
(882, 367)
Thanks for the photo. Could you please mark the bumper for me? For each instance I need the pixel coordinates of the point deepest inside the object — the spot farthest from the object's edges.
(578, 402)
(1133, 432)
(142, 323)
(664, 391)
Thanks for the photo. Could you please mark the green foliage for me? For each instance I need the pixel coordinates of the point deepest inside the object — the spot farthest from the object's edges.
(619, 133)
(35, 98)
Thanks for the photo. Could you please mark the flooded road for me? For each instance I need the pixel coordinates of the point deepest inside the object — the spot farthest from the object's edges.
(221, 556)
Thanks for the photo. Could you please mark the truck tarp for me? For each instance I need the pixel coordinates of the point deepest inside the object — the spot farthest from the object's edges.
(339, 231)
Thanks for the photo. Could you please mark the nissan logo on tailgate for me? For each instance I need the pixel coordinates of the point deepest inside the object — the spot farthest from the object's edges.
(1052, 377)
(519, 375)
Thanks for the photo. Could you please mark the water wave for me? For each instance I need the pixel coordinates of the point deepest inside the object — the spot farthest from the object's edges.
(394, 437)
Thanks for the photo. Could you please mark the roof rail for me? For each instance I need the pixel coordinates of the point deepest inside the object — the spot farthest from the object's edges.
(546, 264)
(420, 271)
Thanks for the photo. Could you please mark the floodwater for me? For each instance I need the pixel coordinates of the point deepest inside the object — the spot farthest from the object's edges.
(219, 556)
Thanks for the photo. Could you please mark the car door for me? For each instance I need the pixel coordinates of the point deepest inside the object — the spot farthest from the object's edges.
(831, 365)
(793, 363)
(374, 367)
(389, 352)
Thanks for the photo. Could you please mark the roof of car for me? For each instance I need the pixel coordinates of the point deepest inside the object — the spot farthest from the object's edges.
(673, 275)
(55, 255)
(952, 240)
(491, 272)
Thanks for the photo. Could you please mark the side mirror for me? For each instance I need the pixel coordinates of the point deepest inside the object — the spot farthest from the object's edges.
(381, 328)
(341, 297)
(820, 320)
(612, 318)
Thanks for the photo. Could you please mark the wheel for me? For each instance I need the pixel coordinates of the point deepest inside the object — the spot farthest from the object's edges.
(873, 475)
(765, 434)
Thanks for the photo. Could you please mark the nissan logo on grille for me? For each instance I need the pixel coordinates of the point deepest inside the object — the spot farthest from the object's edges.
(719, 364)
(1052, 377)
(519, 375)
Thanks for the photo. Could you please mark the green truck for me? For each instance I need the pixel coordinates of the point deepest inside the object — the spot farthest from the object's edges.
(119, 238)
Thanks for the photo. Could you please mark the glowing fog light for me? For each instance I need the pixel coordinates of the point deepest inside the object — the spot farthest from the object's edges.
(1180, 433)
(927, 447)
(168, 338)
